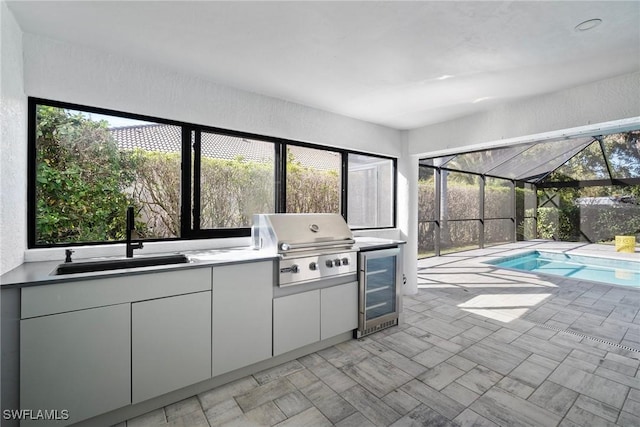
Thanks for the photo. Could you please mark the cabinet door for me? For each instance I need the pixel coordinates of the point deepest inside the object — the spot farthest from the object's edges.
(296, 321)
(338, 310)
(242, 315)
(171, 344)
(78, 361)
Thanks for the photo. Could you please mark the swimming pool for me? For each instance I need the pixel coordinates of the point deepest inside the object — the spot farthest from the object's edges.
(605, 270)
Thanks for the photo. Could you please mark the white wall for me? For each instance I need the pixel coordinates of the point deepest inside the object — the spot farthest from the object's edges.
(71, 73)
(599, 102)
(13, 144)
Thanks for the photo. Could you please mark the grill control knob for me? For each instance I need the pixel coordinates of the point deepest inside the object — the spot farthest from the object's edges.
(337, 262)
(329, 263)
(313, 266)
(295, 268)
(345, 261)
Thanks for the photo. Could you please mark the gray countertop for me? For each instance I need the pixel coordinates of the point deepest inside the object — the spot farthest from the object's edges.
(371, 243)
(40, 273)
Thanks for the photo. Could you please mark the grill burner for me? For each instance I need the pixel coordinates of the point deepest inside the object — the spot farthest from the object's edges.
(311, 246)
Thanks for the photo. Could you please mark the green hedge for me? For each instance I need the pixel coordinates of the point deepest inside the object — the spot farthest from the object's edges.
(85, 184)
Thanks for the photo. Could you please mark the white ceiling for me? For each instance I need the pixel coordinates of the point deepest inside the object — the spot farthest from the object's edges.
(399, 64)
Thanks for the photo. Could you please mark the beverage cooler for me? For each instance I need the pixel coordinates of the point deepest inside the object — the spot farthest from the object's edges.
(380, 283)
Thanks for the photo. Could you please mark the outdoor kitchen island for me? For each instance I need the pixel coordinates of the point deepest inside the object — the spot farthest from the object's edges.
(102, 347)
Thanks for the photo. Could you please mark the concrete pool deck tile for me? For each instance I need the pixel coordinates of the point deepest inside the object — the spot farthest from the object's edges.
(423, 416)
(405, 344)
(554, 397)
(403, 363)
(479, 379)
(293, 403)
(596, 407)
(595, 386)
(370, 406)
(377, 375)
(530, 374)
(468, 418)
(493, 358)
(441, 375)
(515, 387)
(460, 393)
(400, 401)
(433, 399)
(506, 409)
(627, 419)
(266, 415)
(585, 418)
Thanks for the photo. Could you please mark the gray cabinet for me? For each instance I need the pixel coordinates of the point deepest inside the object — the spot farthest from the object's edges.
(81, 342)
(79, 361)
(242, 315)
(338, 310)
(308, 317)
(171, 344)
(296, 321)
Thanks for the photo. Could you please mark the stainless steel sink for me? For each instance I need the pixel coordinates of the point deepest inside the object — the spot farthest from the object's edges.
(116, 264)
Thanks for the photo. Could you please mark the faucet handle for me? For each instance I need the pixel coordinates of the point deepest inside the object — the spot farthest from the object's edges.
(67, 254)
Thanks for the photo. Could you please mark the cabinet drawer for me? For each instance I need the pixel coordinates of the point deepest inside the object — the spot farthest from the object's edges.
(78, 295)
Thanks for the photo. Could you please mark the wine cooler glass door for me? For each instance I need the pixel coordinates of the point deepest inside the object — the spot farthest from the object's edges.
(380, 272)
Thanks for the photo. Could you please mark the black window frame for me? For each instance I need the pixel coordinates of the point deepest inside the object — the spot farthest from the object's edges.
(188, 229)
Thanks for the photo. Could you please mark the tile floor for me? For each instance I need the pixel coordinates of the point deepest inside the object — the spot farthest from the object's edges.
(480, 347)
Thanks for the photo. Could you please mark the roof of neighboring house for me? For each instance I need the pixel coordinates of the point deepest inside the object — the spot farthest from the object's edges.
(168, 139)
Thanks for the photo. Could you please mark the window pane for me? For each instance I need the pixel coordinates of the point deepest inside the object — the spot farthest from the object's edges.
(483, 161)
(540, 159)
(156, 149)
(497, 231)
(91, 167)
(313, 180)
(426, 239)
(460, 195)
(236, 180)
(526, 205)
(530, 201)
(587, 164)
(426, 194)
(623, 153)
(459, 236)
(595, 214)
(498, 198)
(529, 229)
(370, 194)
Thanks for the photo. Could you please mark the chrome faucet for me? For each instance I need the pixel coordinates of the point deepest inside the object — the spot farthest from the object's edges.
(131, 226)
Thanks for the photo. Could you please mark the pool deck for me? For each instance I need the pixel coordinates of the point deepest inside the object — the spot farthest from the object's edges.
(571, 347)
(479, 346)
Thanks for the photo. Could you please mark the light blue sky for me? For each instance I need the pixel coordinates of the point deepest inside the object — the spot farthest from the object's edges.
(114, 121)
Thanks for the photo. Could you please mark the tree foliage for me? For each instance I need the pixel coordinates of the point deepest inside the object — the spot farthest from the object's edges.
(310, 189)
(80, 179)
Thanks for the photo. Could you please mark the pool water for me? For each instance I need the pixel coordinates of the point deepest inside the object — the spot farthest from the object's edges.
(606, 270)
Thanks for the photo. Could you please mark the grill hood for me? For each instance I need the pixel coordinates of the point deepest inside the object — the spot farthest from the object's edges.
(292, 233)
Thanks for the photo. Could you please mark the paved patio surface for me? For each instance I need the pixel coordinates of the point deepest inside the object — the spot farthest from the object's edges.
(480, 346)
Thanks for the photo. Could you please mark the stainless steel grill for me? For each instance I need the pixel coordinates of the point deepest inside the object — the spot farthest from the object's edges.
(311, 246)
